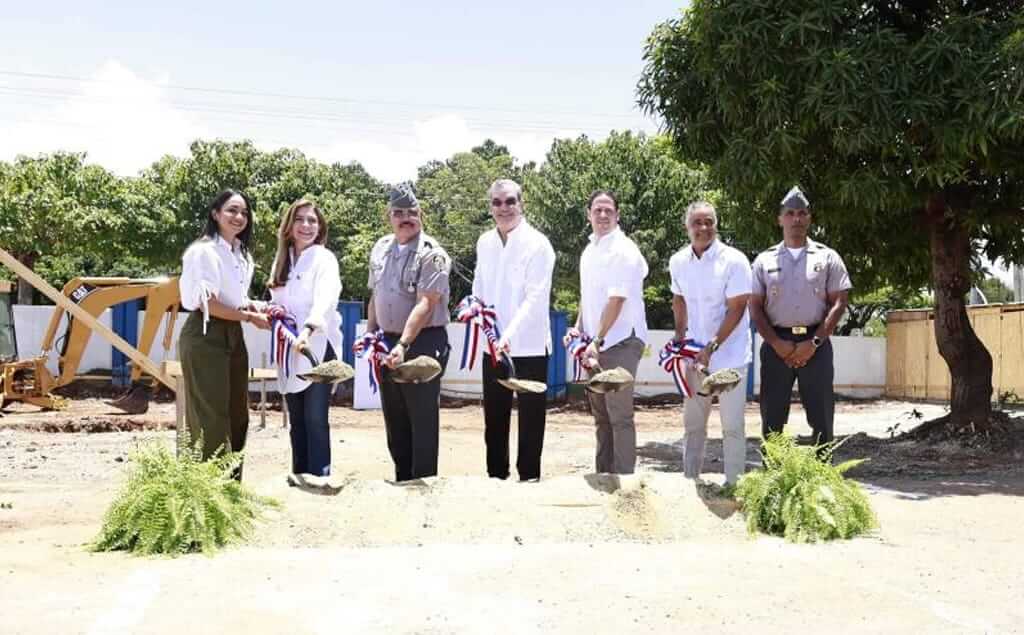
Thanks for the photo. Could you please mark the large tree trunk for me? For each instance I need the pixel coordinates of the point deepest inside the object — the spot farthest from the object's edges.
(970, 364)
(25, 290)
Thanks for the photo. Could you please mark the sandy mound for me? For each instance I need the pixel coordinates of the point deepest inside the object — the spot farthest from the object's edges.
(650, 507)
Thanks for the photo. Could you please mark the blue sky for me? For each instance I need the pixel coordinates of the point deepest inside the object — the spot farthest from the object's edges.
(389, 84)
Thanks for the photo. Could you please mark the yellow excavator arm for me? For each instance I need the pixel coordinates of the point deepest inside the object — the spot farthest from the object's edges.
(95, 295)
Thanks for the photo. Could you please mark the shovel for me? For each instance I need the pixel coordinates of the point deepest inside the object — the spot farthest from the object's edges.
(331, 372)
(515, 384)
(605, 381)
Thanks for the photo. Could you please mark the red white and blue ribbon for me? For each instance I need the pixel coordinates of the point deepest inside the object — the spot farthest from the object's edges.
(372, 344)
(478, 317)
(675, 357)
(284, 332)
(577, 345)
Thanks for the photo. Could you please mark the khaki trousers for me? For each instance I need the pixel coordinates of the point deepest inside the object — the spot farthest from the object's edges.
(696, 411)
(613, 412)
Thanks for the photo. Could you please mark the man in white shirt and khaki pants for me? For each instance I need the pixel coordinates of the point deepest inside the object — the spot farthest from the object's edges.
(612, 272)
(514, 263)
(711, 282)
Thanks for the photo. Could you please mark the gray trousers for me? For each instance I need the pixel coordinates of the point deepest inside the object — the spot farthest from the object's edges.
(613, 412)
(696, 411)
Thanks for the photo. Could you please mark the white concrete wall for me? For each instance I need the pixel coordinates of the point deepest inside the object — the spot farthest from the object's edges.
(859, 361)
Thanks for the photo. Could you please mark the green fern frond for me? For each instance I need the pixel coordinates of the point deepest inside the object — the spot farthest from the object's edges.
(180, 504)
(802, 498)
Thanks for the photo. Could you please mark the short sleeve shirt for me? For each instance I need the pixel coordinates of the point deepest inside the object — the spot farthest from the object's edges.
(795, 290)
(705, 283)
(398, 275)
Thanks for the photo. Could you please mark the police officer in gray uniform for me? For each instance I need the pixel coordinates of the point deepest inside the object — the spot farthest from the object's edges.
(409, 284)
(799, 292)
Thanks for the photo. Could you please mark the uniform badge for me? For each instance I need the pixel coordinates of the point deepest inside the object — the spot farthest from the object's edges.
(440, 263)
(818, 266)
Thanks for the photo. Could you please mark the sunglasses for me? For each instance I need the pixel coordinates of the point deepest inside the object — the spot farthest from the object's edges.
(405, 213)
(510, 201)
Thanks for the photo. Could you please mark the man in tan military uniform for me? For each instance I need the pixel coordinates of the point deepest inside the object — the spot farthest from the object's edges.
(800, 290)
(409, 282)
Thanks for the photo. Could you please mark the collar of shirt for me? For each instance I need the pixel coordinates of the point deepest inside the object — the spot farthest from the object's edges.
(811, 247)
(234, 249)
(607, 239)
(709, 254)
(412, 244)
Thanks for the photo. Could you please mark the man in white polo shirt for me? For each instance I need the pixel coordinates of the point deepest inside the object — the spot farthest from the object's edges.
(612, 272)
(514, 263)
(710, 286)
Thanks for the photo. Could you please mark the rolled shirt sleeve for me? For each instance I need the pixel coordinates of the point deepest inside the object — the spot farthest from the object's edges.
(326, 290)
(433, 275)
(757, 286)
(200, 276)
(739, 279)
(838, 276)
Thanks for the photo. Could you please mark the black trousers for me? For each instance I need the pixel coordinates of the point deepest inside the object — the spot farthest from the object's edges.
(498, 414)
(816, 391)
(411, 410)
(309, 429)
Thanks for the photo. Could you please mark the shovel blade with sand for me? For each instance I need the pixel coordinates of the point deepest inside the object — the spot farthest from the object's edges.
(418, 370)
(515, 384)
(331, 372)
(718, 382)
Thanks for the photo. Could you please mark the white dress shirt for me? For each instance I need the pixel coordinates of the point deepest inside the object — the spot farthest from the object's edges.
(516, 278)
(311, 296)
(705, 283)
(211, 268)
(613, 267)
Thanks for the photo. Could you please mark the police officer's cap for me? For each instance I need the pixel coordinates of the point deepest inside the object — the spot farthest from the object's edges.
(402, 197)
(795, 199)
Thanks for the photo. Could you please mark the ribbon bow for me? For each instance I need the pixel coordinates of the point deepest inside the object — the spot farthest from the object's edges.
(284, 333)
(372, 344)
(576, 347)
(675, 357)
(478, 317)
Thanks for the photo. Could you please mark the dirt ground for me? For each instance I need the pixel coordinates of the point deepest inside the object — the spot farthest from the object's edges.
(461, 553)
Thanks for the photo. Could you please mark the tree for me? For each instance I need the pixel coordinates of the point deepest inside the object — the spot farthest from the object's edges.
(350, 198)
(453, 195)
(903, 121)
(653, 188)
(72, 219)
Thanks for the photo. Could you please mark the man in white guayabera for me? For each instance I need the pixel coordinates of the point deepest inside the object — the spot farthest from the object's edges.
(710, 287)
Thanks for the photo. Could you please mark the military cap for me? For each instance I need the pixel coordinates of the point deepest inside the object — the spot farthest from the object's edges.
(795, 199)
(402, 197)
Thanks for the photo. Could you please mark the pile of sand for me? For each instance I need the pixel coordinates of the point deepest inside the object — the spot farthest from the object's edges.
(649, 507)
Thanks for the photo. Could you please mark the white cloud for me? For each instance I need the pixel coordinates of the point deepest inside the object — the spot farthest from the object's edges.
(396, 156)
(123, 122)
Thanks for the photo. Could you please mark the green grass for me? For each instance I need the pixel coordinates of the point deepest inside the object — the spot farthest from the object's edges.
(801, 498)
(174, 505)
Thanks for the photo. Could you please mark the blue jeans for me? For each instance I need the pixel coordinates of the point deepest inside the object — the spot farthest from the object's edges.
(310, 432)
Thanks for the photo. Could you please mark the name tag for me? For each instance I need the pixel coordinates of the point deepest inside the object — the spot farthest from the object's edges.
(775, 270)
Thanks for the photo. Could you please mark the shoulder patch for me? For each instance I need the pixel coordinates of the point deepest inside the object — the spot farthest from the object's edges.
(440, 261)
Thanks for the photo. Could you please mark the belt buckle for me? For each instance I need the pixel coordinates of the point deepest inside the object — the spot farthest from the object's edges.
(799, 330)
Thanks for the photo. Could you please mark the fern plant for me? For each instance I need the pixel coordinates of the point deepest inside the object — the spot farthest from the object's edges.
(180, 504)
(801, 497)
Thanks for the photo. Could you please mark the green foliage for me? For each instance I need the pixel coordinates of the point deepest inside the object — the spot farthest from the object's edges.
(453, 195)
(653, 187)
(173, 505)
(873, 108)
(802, 498)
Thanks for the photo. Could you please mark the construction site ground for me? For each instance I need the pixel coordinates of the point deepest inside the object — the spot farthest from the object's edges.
(461, 553)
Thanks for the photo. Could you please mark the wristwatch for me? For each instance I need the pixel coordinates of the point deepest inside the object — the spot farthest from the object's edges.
(599, 341)
(817, 341)
(713, 346)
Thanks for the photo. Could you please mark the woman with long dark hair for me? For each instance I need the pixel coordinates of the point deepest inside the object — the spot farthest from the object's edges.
(304, 287)
(216, 273)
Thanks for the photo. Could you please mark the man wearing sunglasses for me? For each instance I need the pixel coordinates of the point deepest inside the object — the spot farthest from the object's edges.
(409, 302)
(514, 263)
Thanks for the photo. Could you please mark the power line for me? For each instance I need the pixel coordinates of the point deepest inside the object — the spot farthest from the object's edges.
(329, 99)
